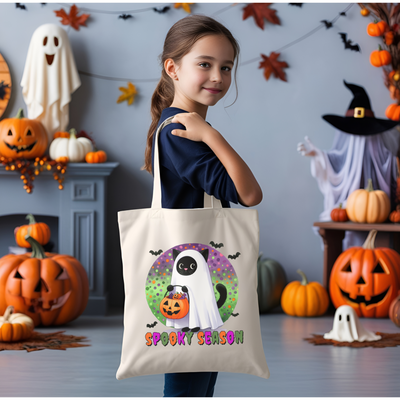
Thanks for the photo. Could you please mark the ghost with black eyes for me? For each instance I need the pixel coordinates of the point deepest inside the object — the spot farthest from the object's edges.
(347, 327)
(49, 78)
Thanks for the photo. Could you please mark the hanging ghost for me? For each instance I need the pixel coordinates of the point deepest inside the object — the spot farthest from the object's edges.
(347, 327)
(191, 273)
(49, 78)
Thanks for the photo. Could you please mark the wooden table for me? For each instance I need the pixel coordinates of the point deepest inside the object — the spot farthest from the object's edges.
(333, 233)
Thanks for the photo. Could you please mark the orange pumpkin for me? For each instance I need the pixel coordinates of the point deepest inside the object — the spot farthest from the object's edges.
(389, 36)
(379, 58)
(364, 12)
(61, 134)
(174, 308)
(339, 214)
(38, 230)
(395, 215)
(15, 327)
(394, 311)
(393, 112)
(366, 278)
(377, 28)
(22, 137)
(52, 289)
(95, 157)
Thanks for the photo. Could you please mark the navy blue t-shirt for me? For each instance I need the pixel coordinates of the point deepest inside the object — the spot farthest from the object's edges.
(189, 168)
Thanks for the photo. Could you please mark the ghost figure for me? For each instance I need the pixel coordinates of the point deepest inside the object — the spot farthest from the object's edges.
(347, 327)
(49, 78)
(191, 270)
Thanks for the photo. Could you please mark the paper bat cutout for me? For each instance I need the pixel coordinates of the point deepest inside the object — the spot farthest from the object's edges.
(3, 88)
(327, 24)
(21, 6)
(216, 245)
(343, 14)
(125, 16)
(348, 43)
(234, 315)
(155, 253)
(296, 4)
(161, 10)
(234, 256)
(152, 325)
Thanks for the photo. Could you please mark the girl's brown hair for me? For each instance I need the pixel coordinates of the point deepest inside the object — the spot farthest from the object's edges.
(178, 42)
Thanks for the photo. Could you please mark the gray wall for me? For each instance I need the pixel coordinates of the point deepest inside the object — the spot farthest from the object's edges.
(264, 125)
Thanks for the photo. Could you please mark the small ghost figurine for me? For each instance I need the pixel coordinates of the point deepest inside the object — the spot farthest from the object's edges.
(49, 78)
(347, 327)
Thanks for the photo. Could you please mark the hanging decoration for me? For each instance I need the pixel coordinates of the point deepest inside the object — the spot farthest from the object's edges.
(161, 10)
(128, 95)
(20, 6)
(348, 44)
(5, 85)
(296, 4)
(271, 65)
(72, 18)
(259, 11)
(185, 6)
(125, 16)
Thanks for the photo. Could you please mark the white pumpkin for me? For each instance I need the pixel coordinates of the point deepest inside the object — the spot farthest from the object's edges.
(15, 326)
(74, 148)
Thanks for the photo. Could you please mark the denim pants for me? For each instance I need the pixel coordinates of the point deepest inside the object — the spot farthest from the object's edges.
(190, 384)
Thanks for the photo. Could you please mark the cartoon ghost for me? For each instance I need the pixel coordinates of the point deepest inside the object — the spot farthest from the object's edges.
(49, 78)
(347, 327)
(191, 273)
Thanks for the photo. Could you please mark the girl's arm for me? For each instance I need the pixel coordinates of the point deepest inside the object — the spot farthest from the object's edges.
(247, 187)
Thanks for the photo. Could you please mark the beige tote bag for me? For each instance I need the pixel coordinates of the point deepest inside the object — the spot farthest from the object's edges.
(190, 279)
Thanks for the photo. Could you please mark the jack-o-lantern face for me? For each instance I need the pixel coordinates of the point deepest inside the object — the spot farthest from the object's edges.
(22, 137)
(174, 308)
(365, 278)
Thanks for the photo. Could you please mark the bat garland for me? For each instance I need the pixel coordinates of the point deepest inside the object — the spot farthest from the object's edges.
(20, 6)
(348, 43)
(125, 16)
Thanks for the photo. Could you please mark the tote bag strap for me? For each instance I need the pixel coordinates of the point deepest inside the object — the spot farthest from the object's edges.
(209, 201)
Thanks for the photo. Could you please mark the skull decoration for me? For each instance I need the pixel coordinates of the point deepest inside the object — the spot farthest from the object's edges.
(347, 327)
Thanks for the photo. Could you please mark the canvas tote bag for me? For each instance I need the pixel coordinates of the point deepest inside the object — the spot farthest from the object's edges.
(190, 279)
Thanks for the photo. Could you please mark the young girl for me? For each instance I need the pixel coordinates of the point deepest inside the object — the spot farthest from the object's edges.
(197, 60)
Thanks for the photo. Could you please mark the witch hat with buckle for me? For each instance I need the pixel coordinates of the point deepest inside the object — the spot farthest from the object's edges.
(359, 118)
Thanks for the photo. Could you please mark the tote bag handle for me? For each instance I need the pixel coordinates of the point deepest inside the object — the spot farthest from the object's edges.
(209, 201)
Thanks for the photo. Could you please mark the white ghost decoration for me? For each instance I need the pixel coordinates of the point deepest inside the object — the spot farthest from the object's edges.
(49, 78)
(347, 327)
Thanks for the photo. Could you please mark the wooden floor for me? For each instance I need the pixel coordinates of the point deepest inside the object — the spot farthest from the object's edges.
(298, 369)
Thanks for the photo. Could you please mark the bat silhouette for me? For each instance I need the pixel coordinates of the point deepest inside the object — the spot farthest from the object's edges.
(343, 14)
(327, 24)
(216, 245)
(125, 16)
(161, 10)
(296, 4)
(348, 44)
(155, 253)
(234, 315)
(234, 256)
(21, 6)
(152, 325)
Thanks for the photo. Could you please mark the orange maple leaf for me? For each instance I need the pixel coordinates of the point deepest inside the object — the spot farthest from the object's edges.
(72, 18)
(272, 65)
(260, 11)
(185, 6)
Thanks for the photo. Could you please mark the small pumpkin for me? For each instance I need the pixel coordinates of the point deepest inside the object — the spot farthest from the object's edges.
(304, 299)
(368, 205)
(394, 92)
(377, 28)
(95, 157)
(174, 308)
(22, 137)
(395, 215)
(388, 37)
(364, 12)
(393, 112)
(379, 58)
(61, 134)
(15, 327)
(271, 278)
(339, 214)
(394, 310)
(38, 230)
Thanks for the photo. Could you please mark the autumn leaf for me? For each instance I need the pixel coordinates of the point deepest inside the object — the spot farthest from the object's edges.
(260, 11)
(272, 65)
(185, 6)
(72, 18)
(128, 94)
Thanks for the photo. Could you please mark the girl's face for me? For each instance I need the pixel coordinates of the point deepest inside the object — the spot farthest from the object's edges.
(203, 75)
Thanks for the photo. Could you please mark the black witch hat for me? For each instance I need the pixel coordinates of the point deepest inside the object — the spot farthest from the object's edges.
(359, 118)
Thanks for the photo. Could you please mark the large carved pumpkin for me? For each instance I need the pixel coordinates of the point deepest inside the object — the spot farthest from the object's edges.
(22, 137)
(366, 278)
(52, 289)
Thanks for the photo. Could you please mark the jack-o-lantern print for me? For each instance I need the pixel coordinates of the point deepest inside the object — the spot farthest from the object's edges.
(192, 286)
(366, 278)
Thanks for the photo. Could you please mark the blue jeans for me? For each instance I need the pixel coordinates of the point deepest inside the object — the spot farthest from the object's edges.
(190, 384)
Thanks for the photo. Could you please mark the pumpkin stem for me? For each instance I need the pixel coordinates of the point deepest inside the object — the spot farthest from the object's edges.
(370, 240)
(304, 281)
(370, 188)
(37, 249)
(73, 133)
(7, 314)
(340, 205)
(20, 113)
(31, 219)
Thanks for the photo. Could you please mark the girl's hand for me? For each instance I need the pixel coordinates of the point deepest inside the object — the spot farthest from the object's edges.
(196, 127)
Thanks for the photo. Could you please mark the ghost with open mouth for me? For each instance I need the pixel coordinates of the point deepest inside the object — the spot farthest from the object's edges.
(50, 77)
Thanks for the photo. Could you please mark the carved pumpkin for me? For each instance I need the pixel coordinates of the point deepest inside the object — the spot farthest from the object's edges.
(393, 112)
(394, 311)
(379, 58)
(38, 230)
(339, 214)
(366, 279)
(52, 289)
(368, 205)
(15, 327)
(174, 308)
(22, 137)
